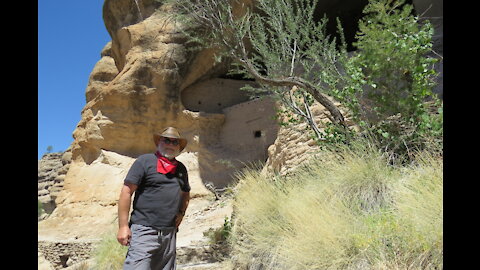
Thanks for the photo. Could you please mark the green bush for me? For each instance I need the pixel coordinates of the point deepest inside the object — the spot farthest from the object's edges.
(391, 77)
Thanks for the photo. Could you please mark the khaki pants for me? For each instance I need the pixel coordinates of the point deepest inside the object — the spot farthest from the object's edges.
(151, 249)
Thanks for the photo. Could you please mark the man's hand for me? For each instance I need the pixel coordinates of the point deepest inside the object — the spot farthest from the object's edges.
(124, 233)
(123, 236)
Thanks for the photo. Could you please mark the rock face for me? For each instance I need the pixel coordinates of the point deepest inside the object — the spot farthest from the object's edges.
(87, 204)
(145, 80)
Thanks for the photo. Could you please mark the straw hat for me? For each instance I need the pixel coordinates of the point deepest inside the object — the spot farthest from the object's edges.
(170, 132)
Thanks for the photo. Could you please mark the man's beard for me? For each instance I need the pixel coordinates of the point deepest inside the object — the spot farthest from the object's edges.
(166, 154)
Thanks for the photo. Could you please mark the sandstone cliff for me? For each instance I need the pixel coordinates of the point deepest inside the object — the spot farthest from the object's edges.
(146, 79)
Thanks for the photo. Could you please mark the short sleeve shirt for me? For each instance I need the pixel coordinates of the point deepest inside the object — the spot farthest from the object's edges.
(157, 198)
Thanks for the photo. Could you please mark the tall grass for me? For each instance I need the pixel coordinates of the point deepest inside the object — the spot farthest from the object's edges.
(109, 254)
(419, 204)
(347, 209)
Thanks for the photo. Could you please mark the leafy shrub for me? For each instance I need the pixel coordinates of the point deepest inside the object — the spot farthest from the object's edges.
(391, 77)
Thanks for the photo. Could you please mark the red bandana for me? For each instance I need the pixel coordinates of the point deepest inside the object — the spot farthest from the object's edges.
(164, 165)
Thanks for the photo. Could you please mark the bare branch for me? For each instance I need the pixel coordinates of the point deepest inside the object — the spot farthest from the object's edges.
(310, 119)
(217, 15)
(293, 57)
(300, 83)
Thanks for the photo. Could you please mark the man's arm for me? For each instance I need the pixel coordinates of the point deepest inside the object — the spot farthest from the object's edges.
(185, 199)
(124, 234)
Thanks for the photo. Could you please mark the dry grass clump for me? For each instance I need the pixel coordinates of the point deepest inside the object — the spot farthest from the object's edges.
(419, 208)
(109, 254)
(348, 209)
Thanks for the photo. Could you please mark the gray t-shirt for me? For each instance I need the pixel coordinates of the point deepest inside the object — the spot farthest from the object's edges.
(157, 198)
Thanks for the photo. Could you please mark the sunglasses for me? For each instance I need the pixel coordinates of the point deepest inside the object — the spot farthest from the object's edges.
(170, 141)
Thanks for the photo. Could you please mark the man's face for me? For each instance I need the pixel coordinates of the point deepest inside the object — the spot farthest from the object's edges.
(169, 147)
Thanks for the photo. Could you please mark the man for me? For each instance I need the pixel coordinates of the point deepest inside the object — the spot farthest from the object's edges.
(162, 193)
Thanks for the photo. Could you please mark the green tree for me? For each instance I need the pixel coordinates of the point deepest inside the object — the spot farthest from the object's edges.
(391, 78)
(385, 84)
(49, 149)
(268, 45)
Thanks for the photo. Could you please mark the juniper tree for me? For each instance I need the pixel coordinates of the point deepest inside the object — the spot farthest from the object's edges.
(384, 84)
(268, 45)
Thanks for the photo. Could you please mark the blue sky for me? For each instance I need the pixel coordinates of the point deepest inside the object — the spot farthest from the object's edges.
(71, 35)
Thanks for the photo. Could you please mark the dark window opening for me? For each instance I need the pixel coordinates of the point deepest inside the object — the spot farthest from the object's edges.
(258, 134)
(63, 260)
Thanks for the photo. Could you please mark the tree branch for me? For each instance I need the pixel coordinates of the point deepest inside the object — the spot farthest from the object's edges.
(300, 83)
(312, 123)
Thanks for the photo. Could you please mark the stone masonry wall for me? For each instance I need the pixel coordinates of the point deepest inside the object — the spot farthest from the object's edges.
(52, 168)
(65, 253)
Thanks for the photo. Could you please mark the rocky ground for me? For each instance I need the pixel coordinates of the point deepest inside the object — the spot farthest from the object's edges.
(194, 249)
